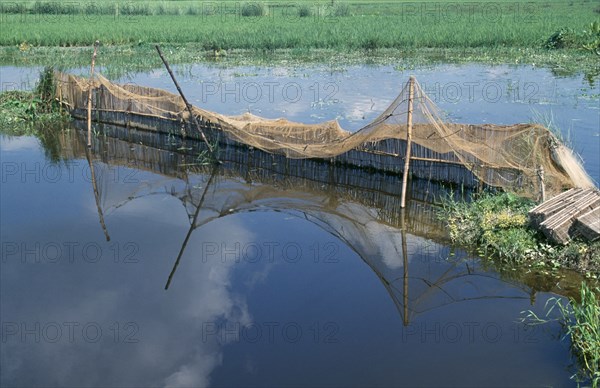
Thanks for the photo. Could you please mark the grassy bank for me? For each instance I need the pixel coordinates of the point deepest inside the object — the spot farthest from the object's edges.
(497, 226)
(291, 24)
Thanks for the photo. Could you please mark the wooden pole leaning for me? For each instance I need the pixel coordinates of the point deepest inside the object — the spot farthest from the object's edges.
(411, 91)
(187, 104)
(89, 105)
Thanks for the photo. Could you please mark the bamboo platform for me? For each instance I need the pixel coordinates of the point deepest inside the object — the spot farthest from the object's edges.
(574, 213)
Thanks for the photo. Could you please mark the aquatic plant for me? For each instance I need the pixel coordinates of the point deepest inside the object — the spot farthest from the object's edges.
(581, 324)
(496, 225)
(24, 112)
(205, 157)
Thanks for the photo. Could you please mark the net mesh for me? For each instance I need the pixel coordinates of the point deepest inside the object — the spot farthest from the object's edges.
(510, 157)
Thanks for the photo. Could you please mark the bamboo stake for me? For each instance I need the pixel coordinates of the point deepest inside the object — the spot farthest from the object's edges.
(89, 107)
(542, 184)
(411, 85)
(187, 104)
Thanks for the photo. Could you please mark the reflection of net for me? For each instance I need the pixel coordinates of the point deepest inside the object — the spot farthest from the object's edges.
(432, 281)
(414, 269)
(500, 156)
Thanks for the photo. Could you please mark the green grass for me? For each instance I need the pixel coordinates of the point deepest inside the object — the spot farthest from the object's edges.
(278, 25)
(581, 322)
(367, 31)
(496, 225)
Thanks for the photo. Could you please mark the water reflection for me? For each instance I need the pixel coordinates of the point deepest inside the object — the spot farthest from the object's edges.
(288, 274)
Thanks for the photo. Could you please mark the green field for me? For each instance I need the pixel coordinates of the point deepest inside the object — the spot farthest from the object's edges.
(286, 24)
(367, 31)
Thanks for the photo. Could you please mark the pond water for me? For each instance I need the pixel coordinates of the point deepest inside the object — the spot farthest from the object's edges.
(315, 278)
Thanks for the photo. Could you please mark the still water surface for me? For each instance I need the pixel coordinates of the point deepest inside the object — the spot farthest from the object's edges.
(282, 280)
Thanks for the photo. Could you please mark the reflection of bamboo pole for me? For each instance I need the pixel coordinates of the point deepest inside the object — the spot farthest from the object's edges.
(89, 106)
(405, 257)
(88, 154)
(191, 229)
(411, 87)
(187, 104)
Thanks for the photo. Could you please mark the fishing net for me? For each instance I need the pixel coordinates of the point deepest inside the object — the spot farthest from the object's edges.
(514, 157)
(408, 256)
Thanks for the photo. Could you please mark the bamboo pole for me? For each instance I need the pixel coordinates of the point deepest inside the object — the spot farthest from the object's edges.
(187, 104)
(411, 86)
(542, 184)
(436, 160)
(89, 105)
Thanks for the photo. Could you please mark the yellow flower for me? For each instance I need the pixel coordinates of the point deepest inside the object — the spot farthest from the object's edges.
(24, 46)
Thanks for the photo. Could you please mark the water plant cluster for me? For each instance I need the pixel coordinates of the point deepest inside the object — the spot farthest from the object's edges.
(496, 225)
(31, 112)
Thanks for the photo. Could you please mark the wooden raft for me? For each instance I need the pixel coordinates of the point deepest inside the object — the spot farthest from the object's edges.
(574, 213)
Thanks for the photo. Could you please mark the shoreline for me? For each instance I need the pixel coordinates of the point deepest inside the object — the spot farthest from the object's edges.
(127, 58)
